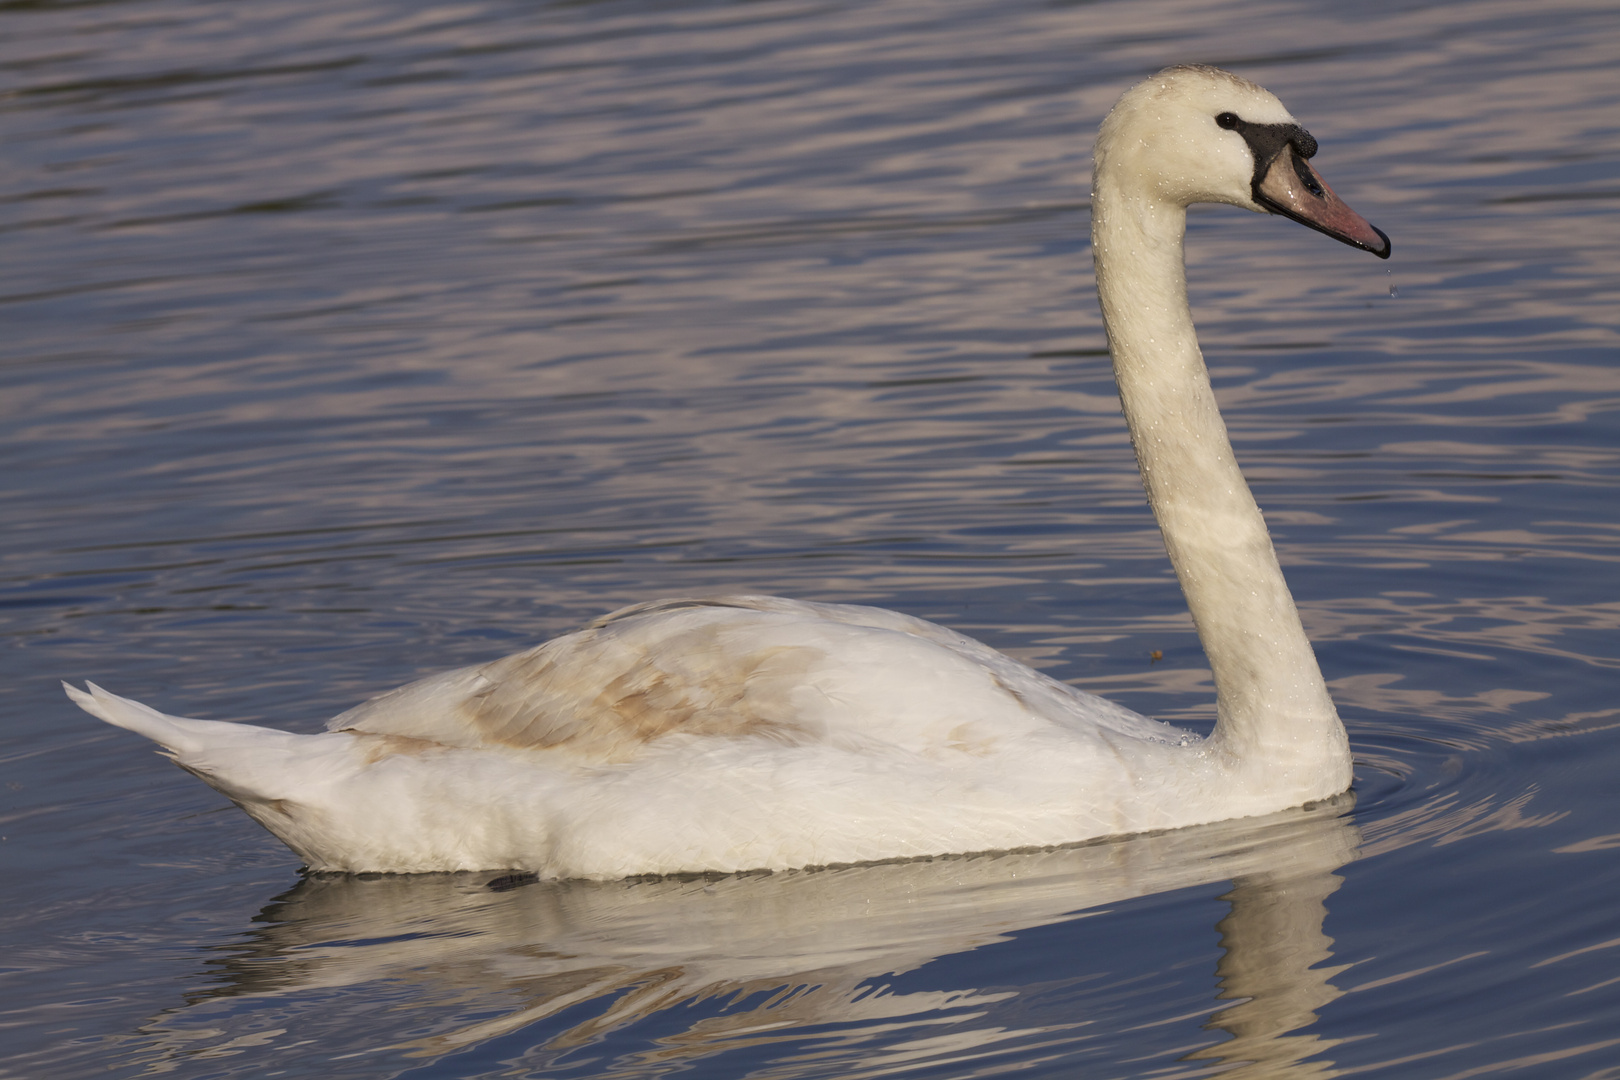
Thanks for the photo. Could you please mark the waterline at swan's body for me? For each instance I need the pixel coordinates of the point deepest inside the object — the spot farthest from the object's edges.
(757, 732)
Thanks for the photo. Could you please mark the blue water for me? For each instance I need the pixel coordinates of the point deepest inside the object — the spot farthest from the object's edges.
(347, 343)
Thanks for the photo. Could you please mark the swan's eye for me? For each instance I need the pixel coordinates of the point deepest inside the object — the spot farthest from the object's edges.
(1227, 120)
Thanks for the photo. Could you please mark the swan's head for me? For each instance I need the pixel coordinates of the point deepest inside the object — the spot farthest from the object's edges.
(1200, 134)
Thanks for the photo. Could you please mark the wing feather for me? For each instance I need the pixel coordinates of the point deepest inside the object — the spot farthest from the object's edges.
(741, 667)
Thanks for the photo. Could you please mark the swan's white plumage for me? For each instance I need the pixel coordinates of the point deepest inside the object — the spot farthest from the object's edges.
(754, 732)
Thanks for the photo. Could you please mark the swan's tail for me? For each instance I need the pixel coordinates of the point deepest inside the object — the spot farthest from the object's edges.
(248, 764)
(184, 739)
(281, 779)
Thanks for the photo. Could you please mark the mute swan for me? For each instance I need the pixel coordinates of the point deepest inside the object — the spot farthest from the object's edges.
(757, 732)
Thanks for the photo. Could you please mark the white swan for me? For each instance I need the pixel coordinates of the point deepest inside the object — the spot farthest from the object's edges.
(756, 732)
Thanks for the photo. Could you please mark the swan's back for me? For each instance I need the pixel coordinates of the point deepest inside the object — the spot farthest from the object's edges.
(748, 667)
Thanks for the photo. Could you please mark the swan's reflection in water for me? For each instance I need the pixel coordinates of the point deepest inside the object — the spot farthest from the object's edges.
(792, 968)
(1275, 962)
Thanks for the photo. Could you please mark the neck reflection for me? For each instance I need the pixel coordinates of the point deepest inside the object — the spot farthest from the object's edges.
(1275, 966)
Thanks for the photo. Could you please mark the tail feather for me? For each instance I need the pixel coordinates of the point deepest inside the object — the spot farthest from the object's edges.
(280, 778)
(178, 735)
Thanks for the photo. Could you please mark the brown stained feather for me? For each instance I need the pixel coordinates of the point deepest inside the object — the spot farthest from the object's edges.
(378, 747)
(603, 694)
(1001, 684)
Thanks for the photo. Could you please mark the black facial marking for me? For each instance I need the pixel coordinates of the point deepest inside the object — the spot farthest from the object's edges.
(1266, 141)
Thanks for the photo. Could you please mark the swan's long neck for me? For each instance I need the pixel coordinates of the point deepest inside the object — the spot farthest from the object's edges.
(1273, 708)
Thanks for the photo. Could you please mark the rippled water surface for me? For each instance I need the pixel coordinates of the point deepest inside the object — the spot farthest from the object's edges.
(343, 343)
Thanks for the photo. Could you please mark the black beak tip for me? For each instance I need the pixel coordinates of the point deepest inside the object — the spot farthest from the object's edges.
(1384, 254)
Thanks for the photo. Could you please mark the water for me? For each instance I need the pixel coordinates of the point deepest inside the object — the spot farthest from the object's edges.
(348, 343)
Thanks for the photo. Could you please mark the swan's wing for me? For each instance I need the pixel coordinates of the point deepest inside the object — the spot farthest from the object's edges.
(743, 667)
(1039, 693)
(604, 691)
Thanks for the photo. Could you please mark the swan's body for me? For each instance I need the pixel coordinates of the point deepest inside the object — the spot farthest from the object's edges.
(756, 732)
